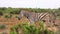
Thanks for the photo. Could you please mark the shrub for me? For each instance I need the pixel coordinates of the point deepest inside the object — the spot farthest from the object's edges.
(14, 12)
(8, 16)
(16, 16)
(11, 12)
(31, 29)
(11, 30)
(1, 13)
(2, 26)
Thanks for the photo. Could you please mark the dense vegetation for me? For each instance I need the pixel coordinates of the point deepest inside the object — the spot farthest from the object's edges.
(10, 10)
(30, 29)
(26, 29)
(2, 26)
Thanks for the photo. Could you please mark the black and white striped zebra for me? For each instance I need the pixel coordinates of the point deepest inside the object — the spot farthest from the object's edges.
(32, 16)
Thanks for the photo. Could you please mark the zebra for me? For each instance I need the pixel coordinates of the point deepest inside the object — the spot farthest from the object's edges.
(32, 16)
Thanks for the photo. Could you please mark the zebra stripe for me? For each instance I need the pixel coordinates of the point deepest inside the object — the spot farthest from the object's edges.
(43, 15)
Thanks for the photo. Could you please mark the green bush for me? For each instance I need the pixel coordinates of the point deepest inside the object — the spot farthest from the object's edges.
(1, 13)
(14, 12)
(16, 16)
(17, 12)
(2, 26)
(11, 31)
(11, 12)
(31, 29)
(8, 16)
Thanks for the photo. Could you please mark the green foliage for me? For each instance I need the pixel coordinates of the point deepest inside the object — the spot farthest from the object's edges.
(8, 16)
(1, 13)
(16, 16)
(15, 12)
(31, 29)
(10, 10)
(11, 31)
(2, 26)
(2, 8)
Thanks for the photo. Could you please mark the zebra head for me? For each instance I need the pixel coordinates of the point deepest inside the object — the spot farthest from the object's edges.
(23, 13)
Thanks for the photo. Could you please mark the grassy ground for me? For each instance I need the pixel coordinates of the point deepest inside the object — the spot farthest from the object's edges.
(9, 22)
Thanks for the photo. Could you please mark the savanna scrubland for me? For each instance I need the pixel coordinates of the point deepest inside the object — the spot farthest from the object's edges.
(9, 23)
